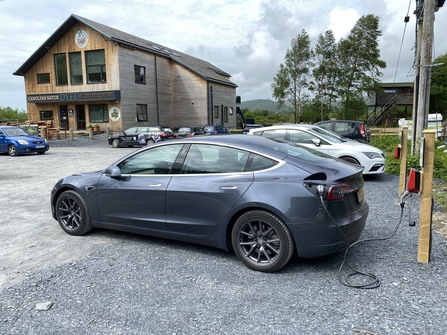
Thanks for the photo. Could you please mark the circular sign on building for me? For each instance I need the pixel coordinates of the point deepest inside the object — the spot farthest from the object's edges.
(81, 38)
(114, 113)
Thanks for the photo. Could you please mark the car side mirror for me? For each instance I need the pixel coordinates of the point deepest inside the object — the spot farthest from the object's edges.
(113, 171)
(316, 141)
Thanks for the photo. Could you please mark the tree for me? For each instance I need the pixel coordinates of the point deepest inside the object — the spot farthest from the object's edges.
(438, 86)
(324, 72)
(292, 76)
(358, 61)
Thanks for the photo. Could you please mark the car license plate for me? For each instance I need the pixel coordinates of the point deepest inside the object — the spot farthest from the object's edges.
(360, 194)
(40, 146)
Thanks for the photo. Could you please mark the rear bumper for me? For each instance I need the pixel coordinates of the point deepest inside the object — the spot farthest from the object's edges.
(316, 239)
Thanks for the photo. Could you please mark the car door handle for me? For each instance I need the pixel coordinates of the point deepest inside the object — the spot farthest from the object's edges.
(154, 185)
(229, 187)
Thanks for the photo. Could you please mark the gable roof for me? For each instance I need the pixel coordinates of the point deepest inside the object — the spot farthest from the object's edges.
(200, 67)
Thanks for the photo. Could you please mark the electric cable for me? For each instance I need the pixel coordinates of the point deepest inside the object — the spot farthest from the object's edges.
(375, 281)
(402, 42)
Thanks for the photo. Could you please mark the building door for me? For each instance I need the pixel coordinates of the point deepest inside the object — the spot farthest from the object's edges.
(80, 117)
(63, 116)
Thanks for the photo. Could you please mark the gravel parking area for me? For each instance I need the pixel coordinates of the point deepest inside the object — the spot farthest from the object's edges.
(109, 282)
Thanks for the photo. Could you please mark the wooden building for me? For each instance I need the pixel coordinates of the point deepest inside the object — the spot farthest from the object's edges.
(395, 102)
(88, 73)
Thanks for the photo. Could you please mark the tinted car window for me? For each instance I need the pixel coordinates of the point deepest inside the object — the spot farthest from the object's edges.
(158, 160)
(203, 158)
(259, 162)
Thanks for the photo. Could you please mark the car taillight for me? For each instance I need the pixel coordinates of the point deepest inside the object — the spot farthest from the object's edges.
(162, 134)
(362, 130)
(337, 192)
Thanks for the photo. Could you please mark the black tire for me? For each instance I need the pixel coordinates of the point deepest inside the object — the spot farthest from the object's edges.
(150, 141)
(262, 241)
(116, 143)
(350, 160)
(41, 152)
(72, 214)
(12, 150)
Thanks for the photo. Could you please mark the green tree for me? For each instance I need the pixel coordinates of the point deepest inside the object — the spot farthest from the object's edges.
(324, 73)
(7, 113)
(292, 76)
(438, 86)
(358, 61)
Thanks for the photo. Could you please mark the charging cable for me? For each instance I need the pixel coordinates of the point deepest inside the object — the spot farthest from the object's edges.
(374, 281)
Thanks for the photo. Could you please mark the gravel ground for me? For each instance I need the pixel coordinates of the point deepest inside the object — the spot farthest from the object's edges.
(114, 283)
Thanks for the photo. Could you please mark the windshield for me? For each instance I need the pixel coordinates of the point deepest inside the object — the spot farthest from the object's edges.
(299, 151)
(16, 131)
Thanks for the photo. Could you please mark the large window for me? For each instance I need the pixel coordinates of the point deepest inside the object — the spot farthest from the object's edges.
(98, 113)
(141, 113)
(140, 74)
(60, 67)
(75, 68)
(43, 78)
(225, 114)
(96, 66)
(46, 115)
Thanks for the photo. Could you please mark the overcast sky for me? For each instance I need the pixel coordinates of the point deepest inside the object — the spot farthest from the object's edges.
(245, 38)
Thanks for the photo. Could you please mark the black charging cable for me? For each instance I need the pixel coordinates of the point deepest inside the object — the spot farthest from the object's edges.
(374, 281)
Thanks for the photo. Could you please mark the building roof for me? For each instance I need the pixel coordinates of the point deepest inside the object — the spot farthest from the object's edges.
(202, 68)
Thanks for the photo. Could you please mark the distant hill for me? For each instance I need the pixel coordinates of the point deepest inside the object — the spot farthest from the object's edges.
(260, 104)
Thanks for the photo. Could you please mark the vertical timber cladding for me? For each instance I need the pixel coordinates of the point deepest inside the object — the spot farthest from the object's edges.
(190, 97)
(133, 93)
(224, 96)
(65, 46)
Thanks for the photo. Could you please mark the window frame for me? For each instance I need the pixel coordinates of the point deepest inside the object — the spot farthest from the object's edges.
(70, 59)
(46, 115)
(141, 112)
(140, 78)
(39, 77)
(104, 110)
(60, 69)
(216, 112)
(102, 68)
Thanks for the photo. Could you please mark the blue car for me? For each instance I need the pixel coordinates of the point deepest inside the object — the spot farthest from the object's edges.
(215, 129)
(17, 141)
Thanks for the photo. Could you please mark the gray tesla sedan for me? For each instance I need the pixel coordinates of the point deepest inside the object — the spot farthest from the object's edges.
(261, 198)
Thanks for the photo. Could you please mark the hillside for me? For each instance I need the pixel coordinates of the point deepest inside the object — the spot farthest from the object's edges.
(260, 104)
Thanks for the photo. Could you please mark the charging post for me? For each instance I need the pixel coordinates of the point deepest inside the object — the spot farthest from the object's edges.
(403, 159)
(425, 214)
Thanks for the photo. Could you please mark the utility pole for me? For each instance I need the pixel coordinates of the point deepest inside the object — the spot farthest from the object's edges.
(425, 18)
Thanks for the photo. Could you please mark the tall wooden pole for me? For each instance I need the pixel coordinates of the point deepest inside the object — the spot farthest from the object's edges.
(425, 71)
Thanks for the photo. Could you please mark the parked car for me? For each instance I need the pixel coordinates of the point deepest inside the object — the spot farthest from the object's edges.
(215, 129)
(262, 198)
(356, 130)
(137, 136)
(184, 132)
(17, 141)
(312, 136)
(250, 126)
(167, 131)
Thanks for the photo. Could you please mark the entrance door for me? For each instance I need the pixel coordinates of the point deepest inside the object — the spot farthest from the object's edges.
(80, 117)
(63, 116)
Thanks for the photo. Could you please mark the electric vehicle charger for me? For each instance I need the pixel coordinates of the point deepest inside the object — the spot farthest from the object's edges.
(374, 281)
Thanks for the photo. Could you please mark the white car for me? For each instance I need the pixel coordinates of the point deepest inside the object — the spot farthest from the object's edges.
(311, 136)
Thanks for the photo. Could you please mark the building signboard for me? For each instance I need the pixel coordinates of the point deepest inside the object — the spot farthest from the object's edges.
(74, 97)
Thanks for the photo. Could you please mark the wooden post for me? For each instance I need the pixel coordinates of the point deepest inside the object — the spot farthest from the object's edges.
(71, 134)
(403, 160)
(90, 132)
(425, 215)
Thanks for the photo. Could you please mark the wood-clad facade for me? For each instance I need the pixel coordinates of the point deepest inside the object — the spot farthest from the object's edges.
(89, 73)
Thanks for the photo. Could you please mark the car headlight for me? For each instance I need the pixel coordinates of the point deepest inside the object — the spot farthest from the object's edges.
(22, 142)
(372, 155)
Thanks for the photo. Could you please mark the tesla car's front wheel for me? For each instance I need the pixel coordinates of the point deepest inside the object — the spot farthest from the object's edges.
(262, 241)
(72, 213)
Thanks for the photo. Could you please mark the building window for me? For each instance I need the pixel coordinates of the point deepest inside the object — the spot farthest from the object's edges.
(140, 74)
(141, 113)
(96, 66)
(60, 66)
(216, 111)
(46, 115)
(98, 113)
(43, 78)
(225, 114)
(75, 68)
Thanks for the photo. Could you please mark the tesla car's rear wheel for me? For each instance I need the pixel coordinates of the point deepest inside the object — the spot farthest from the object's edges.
(72, 213)
(116, 143)
(12, 150)
(262, 241)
